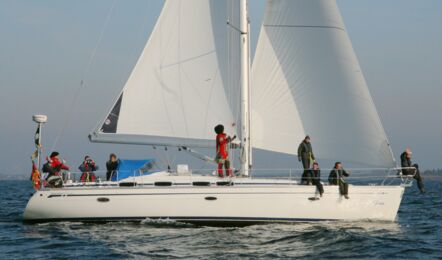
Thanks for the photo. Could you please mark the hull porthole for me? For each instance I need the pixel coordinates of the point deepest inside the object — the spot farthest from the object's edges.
(103, 200)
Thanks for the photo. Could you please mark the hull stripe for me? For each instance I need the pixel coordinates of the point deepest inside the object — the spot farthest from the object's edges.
(202, 193)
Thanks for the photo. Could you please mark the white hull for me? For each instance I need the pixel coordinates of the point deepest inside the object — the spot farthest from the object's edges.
(215, 204)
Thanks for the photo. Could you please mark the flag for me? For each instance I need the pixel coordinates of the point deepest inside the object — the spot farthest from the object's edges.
(35, 176)
(34, 155)
(37, 137)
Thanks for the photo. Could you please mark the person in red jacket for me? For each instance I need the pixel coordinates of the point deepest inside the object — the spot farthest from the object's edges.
(222, 151)
(87, 168)
(56, 164)
(52, 167)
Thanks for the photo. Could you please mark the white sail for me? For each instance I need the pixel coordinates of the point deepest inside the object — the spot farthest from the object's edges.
(306, 80)
(185, 82)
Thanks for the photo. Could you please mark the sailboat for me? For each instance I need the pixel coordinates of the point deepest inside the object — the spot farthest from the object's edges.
(193, 74)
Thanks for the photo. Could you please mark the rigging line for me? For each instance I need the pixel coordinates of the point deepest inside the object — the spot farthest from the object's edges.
(85, 72)
(231, 38)
(230, 82)
(159, 156)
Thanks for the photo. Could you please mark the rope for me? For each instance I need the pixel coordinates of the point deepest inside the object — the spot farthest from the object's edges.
(85, 73)
(164, 160)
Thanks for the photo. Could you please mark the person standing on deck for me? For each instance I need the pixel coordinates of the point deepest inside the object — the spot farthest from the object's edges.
(305, 154)
(405, 163)
(222, 153)
(111, 166)
(336, 177)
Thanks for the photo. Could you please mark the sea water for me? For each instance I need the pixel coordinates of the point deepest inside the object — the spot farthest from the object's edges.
(417, 233)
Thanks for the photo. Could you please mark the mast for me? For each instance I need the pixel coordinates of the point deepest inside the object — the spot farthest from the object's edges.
(245, 89)
(40, 120)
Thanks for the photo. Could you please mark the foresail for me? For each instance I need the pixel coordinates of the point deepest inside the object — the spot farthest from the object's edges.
(185, 82)
(306, 80)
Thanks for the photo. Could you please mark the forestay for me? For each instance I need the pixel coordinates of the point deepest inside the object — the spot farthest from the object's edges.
(185, 82)
(306, 80)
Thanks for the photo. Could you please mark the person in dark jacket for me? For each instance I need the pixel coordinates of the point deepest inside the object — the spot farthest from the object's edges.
(315, 175)
(406, 163)
(111, 166)
(307, 177)
(336, 177)
(87, 168)
(305, 154)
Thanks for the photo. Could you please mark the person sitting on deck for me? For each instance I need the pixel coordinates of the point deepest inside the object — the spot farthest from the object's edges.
(336, 177)
(111, 166)
(87, 168)
(413, 169)
(222, 153)
(315, 178)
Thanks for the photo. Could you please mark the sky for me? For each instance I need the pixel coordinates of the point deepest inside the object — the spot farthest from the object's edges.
(48, 47)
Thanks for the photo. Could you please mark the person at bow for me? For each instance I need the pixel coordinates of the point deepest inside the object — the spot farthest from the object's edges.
(315, 175)
(411, 169)
(305, 155)
(337, 177)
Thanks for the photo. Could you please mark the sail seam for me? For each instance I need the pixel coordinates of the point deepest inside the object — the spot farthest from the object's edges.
(187, 60)
(305, 26)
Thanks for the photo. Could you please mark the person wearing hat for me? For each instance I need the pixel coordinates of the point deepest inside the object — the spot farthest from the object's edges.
(222, 153)
(52, 167)
(56, 164)
(305, 154)
(406, 163)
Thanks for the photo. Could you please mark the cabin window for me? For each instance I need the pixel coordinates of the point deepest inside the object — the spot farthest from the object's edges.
(163, 183)
(201, 183)
(128, 184)
(224, 183)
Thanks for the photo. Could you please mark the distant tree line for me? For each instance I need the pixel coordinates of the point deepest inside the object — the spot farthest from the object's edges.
(433, 173)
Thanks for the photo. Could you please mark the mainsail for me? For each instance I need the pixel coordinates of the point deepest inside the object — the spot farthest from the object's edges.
(306, 80)
(185, 82)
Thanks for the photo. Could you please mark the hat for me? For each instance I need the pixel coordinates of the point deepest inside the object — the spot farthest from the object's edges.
(307, 137)
(53, 154)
